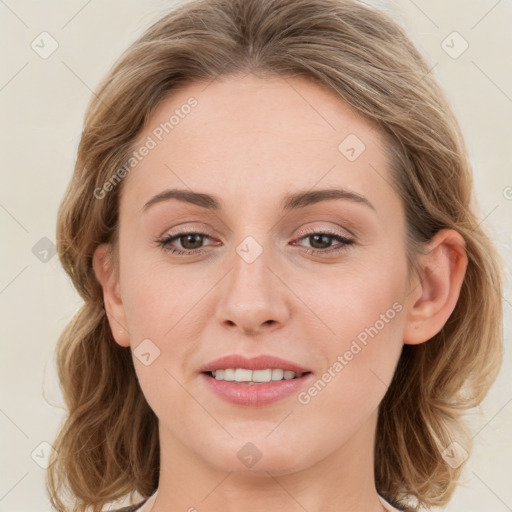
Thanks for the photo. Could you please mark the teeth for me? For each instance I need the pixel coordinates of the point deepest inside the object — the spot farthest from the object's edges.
(244, 375)
(229, 374)
(262, 375)
(277, 374)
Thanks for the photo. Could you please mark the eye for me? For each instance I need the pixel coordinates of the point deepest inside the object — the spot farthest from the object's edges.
(190, 242)
(321, 242)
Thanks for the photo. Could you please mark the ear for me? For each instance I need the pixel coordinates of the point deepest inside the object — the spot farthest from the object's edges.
(434, 294)
(108, 277)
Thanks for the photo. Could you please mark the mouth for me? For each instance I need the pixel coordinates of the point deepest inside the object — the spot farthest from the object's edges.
(249, 391)
(256, 381)
(245, 376)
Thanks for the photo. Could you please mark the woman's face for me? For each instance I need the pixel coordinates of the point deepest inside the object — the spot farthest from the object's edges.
(295, 250)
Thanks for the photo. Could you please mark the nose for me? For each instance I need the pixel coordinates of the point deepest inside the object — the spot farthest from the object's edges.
(253, 299)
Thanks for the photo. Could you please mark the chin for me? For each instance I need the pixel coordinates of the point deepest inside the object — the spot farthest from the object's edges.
(261, 456)
(275, 466)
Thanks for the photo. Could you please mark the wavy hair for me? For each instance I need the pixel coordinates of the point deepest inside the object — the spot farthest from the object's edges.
(108, 447)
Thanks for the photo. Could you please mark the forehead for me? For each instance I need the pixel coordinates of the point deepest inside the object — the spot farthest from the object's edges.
(257, 138)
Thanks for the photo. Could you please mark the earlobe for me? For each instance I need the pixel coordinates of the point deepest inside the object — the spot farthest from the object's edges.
(107, 276)
(436, 292)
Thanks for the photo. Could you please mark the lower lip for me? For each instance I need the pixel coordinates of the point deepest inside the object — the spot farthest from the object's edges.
(254, 395)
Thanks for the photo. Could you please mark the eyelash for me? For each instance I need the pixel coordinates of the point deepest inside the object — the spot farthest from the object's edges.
(165, 243)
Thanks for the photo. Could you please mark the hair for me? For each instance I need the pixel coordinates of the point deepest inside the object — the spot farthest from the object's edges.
(108, 446)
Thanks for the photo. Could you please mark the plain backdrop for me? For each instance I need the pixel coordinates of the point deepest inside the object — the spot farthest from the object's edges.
(43, 99)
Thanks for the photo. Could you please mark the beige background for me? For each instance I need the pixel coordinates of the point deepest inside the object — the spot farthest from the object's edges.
(42, 103)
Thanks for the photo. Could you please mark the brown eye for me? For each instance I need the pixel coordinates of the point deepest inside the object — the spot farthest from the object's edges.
(191, 241)
(183, 243)
(322, 242)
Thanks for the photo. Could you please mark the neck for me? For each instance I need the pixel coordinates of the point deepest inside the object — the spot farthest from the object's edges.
(342, 481)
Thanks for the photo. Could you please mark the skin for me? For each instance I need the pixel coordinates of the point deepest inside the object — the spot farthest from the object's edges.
(250, 141)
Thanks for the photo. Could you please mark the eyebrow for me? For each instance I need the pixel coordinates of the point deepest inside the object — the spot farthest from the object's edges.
(290, 202)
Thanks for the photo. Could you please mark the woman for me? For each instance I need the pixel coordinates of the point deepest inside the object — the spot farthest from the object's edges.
(288, 299)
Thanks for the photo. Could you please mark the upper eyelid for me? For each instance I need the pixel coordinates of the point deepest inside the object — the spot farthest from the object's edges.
(349, 231)
(327, 230)
(309, 231)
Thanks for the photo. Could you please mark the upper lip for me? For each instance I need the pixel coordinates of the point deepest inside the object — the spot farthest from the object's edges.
(261, 362)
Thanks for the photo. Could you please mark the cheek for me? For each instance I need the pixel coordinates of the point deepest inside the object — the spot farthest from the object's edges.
(365, 294)
(162, 307)
(362, 319)
(158, 297)
(361, 361)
